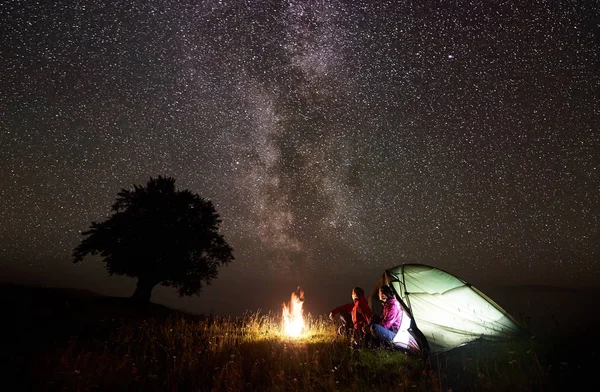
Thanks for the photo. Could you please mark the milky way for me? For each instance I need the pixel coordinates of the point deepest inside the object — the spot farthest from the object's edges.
(331, 135)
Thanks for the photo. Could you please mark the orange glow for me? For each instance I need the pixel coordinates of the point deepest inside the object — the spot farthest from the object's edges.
(292, 320)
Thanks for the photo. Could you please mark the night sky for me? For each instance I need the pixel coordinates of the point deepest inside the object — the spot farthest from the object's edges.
(333, 137)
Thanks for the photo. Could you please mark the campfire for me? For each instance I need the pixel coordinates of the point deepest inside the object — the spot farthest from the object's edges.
(292, 320)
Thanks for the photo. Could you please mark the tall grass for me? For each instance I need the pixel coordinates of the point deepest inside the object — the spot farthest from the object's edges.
(220, 353)
(251, 353)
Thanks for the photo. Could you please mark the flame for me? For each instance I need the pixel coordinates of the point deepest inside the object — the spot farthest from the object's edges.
(293, 322)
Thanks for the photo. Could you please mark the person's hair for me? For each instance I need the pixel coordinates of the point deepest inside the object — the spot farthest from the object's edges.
(358, 291)
(388, 291)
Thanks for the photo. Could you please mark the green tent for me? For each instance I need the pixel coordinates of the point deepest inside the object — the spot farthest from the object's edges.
(445, 311)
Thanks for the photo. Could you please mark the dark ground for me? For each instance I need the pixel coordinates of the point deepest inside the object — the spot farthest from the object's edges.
(38, 320)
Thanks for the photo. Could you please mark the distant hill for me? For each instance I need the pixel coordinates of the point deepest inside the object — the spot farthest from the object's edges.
(33, 290)
(60, 307)
(547, 309)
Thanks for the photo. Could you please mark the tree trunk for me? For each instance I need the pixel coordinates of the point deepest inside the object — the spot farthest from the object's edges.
(143, 290)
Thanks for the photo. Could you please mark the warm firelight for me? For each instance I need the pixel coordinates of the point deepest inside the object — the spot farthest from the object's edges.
(292, 320)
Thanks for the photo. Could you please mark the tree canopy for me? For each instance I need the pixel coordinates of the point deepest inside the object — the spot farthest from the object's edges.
(159, 235)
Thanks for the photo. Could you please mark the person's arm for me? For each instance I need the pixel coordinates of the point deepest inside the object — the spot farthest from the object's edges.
(346, 307)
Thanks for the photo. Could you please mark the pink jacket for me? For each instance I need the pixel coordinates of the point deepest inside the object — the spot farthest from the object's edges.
(391, 317)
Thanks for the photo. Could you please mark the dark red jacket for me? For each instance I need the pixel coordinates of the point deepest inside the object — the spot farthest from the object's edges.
(360, 311)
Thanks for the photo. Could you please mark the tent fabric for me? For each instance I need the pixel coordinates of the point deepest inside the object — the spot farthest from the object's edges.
(404, 338)
(447, 310)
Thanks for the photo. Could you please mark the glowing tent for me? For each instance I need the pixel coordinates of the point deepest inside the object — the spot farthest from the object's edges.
(445, 311)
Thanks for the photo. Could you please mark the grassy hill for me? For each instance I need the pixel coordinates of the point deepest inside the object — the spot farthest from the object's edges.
(63, 340)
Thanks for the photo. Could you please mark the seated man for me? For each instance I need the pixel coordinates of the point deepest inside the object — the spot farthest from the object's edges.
(354, 317)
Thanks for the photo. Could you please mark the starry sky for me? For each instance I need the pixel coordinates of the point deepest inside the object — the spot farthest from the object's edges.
(333, 136)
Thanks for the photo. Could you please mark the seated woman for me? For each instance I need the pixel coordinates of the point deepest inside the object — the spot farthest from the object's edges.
(391, 317)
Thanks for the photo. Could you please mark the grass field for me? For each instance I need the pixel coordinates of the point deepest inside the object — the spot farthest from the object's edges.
(64, 340)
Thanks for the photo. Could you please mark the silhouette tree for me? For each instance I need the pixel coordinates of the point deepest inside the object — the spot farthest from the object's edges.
(159, 235)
